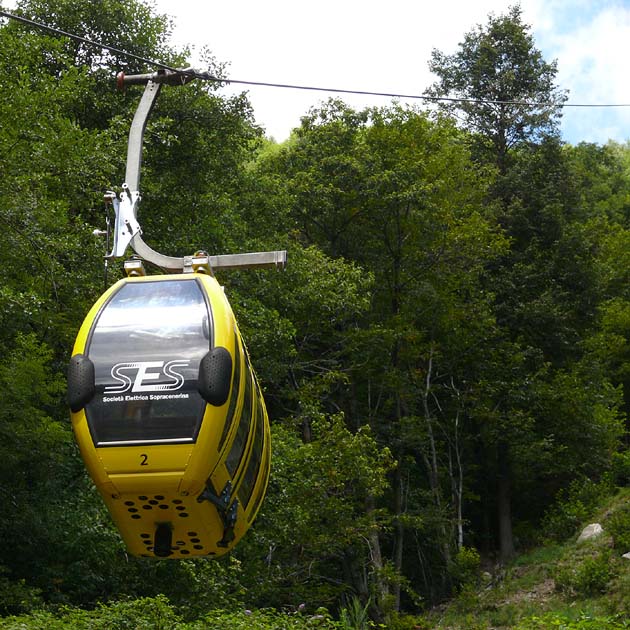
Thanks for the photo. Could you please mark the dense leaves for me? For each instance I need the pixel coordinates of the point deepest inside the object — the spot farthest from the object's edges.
(507, 88)
(447, 352)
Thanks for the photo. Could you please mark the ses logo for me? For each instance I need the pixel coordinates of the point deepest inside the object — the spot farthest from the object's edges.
(140, 376)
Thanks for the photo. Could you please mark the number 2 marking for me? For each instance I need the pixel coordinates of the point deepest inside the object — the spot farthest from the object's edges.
(143, 459)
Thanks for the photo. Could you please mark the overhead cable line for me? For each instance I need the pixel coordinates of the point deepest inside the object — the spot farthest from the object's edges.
(85, 40)
(206, 76)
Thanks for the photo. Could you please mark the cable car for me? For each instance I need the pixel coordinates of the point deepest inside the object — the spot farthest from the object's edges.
(169, 416)
(165, 406)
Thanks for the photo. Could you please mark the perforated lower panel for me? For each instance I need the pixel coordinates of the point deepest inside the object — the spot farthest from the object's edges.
(190, 546)
(195, 527)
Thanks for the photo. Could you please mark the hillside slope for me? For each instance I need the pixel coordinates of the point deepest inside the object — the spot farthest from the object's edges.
(570, 585)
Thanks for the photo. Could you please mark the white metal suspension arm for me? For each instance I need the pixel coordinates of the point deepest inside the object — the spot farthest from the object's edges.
(126, 226)
(127, 230)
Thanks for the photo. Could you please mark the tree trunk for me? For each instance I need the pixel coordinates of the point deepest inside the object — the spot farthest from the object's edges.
(456, 471)
(376, 558)
(506, 538)
(456, 474)
(399, 533)
(431, 461)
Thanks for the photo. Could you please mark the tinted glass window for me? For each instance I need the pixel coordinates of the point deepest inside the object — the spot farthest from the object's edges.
(240, 441)
(236, 386)
(146, 345)
(257, 499)
(251, 473)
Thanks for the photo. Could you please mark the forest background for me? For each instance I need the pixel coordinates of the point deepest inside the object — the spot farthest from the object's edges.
(445, 360)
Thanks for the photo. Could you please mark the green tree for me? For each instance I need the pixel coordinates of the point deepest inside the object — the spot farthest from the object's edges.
(546, 287)
(504, 89)
(312, 539)
(60, 149)
(455, 303)
(395, 192)
(132, 26)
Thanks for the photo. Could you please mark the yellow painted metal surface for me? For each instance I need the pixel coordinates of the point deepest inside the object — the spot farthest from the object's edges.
(146, 486)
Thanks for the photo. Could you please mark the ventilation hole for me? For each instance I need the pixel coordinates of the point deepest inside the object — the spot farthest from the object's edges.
(129, 503)
(183, 514)
(177, 501)
(159, 497)
(181, 543)
(145, 535)
(153, 502)
(195, 540)
(197, 546)
(163, 507)
(192, 533)
(147, 542)
(184, 552)
(147, 507)
(143, 498)
(180, 507)
(136, 516)
(132, 510)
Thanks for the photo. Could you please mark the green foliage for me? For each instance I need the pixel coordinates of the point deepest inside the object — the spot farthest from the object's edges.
(314, 516)
(267, 619)
(618, 525)
(33, 446)
(15, 596)
(589, 576)
(141, 614)
(455, 312)
(355, 616)
(402, 621)
(563, 622)
(156, 613)
(466, 566)
(144, 614)
(621, 468)
(573, 507)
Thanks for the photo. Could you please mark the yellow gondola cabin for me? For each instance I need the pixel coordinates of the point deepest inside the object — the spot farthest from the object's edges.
(169, 416)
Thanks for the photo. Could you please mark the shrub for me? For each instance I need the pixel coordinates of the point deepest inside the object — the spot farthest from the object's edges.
(400, 621)
(355, 615)
(584, 622)
(266, 620)
(16, 597)
(465, 568)
(573, 507)
(592, 576)
(621, 468)
(155, 613)
(618, 525)
(147, 613)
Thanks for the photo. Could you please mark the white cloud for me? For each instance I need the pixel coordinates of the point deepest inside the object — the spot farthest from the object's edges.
(368, 45)
(593, 65)
(385, 46)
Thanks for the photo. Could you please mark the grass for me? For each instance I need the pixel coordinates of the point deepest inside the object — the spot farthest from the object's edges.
(558, 585)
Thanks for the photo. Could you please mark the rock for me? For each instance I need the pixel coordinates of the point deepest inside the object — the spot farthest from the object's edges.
(591, 531)
(626, 555)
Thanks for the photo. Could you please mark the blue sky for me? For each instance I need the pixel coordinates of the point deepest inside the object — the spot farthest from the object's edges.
(591, 42)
